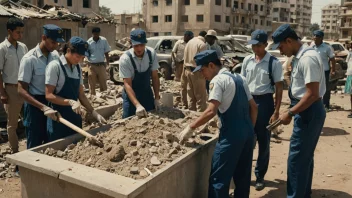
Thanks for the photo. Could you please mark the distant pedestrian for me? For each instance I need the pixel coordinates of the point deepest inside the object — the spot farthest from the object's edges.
(348, 85)
(178, 54)
(98, 60)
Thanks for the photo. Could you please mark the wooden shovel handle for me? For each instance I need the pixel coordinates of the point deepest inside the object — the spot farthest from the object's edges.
(74, 127)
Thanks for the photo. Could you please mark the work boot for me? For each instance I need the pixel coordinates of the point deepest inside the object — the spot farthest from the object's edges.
(259, 185)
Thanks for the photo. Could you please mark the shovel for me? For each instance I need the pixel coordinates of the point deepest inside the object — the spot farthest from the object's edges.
(93, 140)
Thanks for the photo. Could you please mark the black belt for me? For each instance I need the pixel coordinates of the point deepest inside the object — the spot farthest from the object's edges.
(262, 96)
(190, 68)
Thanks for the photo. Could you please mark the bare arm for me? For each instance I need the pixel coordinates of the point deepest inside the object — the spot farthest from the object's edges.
(130, 93)
(51, 97)
(107, 58)
(279, 87)
(208, 114)
(23, 91)
(84, 100)
(156, 84)
(253, 108)
(311, 95)
(333, 64)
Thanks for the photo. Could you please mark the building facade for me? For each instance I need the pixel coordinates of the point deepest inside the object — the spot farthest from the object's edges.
(126, 22)
(85, 7)
(330, 21)
(173, 17)
(346, 21)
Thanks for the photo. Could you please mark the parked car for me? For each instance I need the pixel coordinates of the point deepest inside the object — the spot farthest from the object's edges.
(342, 55)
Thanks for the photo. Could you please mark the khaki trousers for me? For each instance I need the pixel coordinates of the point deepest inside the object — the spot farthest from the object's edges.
(97, 73)
(178, 71)
(184, 83)
(13, 110)
(196, 91)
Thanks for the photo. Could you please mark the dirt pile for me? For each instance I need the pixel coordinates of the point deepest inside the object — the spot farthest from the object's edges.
(133, 147)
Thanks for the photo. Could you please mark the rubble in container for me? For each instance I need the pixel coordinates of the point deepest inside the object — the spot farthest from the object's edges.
(134, 146)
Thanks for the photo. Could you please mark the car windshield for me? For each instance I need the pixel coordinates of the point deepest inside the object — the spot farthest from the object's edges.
(152, 43)
(337, 47)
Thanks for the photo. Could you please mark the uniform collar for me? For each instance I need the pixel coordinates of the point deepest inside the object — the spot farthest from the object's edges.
(97, 40)
(301, 51)
(265, 58)
(222, 70)
(134, 55)
(7, 42)
(63, 60)
(39, 52)
(321, 45)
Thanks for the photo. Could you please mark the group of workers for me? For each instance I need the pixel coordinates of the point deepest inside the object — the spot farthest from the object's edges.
(47, 85)
(51, 87)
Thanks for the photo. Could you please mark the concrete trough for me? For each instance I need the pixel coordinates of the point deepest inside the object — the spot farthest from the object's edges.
(43, 176)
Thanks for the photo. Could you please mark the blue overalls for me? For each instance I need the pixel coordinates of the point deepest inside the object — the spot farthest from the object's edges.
(70, 90)
(141, 87)
(307, 127)
(34, 121)
(233, 153)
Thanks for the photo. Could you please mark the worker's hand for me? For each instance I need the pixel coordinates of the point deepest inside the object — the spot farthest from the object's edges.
(4, 97)
(185, 134)
(99, 117)
(49, 112)
(274, 117)
(76, 106)
(140, 111)
(157, 104)
(285, 118)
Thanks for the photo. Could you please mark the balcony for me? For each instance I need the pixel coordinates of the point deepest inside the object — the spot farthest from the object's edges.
(347, 3)
(347, 13)
(346, 26)
(243, 11)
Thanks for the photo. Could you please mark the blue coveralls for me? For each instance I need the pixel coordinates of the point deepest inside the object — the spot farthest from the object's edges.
(233, 153)
(307, 127)
(141, 87)
(70, 90)
(34, 121)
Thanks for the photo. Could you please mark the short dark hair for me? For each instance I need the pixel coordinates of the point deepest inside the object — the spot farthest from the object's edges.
(96, 30)
(202, 33)
(13, 23)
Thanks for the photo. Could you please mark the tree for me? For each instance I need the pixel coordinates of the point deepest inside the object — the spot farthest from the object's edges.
(314, 27)
(105, 12)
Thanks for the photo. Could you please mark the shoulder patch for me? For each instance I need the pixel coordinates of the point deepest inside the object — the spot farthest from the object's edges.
(211, 85)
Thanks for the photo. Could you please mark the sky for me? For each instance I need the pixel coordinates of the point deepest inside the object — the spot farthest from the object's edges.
(131, 6)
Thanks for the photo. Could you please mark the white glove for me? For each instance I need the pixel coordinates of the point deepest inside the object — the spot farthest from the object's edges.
(157, 104)
(98, 117)
(185, 134)
(140, 111)
(49, 112)
(76, 106)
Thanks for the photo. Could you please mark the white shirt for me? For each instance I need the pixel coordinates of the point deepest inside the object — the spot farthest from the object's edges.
(179, 50)
(307, 67)
(223, 89)
(326, 53)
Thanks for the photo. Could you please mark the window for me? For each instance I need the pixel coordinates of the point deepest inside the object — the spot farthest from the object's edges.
(155, 2)
(66, 33)
(156, 33)
(168, 2)
(218, 2)
(86, 3)
(256, 8)
(200, 18)
(186, 2)
(237, 19)
(217, 18)
(328, 27)
(242, 20)
(242, 5)
(268, 23)
(69, 3)
(228, 3)
(235, 4)
(249, 6)
(261, 22)
(227, 19)
(256, 21)
(261, 8)
(40, 3)
(55, 1)
(168, 18)
(167, 33)
(292, 5)
(200, 2)
(276, 10)
(184, 18)
(155, 19)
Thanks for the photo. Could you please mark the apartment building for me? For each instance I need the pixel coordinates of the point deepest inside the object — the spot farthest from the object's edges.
(346, 20)
(301, 14)
(173, 17)
(126, 22)
(330, 21)
(85, 7)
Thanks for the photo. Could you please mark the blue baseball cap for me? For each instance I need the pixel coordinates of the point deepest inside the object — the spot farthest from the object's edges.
(318, 33)
(80, 45)
(54, 32)
(138, 36)
(205, 57)
(258, 36)
(280, 34)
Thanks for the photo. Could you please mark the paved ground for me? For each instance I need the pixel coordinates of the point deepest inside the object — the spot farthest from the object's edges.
(333, 160)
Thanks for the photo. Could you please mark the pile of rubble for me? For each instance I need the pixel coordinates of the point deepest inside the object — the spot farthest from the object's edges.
(7, 170)
(136, 147)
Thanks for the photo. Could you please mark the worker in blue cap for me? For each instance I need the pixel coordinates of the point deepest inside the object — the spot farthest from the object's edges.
(306, 91)
(263, 73)
(328, 57)
(64, 87)
(137, 66)
(229, 97)
(31, 85)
